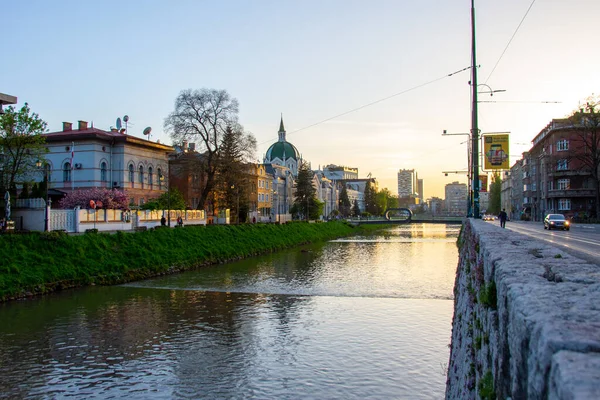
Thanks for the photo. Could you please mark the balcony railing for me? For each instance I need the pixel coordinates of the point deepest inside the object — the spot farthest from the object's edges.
(571, 193)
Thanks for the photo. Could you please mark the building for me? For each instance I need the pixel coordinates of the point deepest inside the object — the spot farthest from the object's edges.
(420, 191)
(456, 198)
(338, 173)
(406, 183)
(88, 157)
(557, 181)
(283, 153)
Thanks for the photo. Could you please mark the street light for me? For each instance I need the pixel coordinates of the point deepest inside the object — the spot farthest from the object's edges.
(237, 191)
(39, 164)
(162, 179)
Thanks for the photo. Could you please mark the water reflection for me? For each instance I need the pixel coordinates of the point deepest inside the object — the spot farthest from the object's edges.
(327, 322)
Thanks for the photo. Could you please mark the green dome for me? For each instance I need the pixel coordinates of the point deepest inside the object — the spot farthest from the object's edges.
(281, 149)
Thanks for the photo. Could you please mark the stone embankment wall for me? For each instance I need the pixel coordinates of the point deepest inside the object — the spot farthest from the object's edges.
(526, 319)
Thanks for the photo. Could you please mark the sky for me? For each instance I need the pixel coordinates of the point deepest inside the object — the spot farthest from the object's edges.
(365, 84)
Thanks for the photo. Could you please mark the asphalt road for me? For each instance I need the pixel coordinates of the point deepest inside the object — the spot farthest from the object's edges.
(583, 240)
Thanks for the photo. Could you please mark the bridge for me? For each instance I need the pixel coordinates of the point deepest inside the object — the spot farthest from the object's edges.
(405, 216)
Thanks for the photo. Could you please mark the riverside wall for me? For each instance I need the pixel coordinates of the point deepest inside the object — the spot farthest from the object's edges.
(526, 319)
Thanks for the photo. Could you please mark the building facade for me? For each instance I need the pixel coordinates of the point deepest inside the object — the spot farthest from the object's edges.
(88, 157)
(456, 198)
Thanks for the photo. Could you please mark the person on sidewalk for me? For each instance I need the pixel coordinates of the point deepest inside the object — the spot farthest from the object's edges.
(502, 217)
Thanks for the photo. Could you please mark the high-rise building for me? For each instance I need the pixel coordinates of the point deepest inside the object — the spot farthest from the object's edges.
(420, 190)
(406, 183)
(456, 198)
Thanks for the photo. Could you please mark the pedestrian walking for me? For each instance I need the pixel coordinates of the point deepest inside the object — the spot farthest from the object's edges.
(502, 217)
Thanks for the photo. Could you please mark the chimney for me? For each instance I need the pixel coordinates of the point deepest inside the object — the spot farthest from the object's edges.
(67, 126)
(192, 146)
(122, 131)
(185, 146)
(82, 125)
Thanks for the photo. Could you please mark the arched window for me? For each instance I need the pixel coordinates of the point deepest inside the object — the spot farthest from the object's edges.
(103, 171)
(67, 172)
(141, 175)
(150, 177)
(131, 175)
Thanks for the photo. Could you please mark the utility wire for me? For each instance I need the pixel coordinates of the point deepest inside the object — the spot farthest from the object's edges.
(373, 102)
(511, 39)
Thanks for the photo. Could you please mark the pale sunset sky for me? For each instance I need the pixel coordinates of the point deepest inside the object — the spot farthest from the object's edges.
(313, 61)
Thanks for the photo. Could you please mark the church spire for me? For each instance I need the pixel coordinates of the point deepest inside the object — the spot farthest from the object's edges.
(281, 130)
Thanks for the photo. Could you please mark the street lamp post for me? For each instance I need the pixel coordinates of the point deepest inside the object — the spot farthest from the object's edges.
(162, 179)
(39, 164)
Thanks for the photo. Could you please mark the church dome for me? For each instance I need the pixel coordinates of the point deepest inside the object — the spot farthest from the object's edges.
(282, 149)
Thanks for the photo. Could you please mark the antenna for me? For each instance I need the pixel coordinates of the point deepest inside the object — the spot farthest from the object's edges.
(126, 119)
(118, 124)
(147, 132)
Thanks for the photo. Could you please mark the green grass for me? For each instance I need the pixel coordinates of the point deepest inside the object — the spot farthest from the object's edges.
(42, 262)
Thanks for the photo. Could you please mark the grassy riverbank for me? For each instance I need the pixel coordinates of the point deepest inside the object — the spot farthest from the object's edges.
(43, 262)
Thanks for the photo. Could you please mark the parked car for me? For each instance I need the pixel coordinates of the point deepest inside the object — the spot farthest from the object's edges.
(488, 217)
(556, 221)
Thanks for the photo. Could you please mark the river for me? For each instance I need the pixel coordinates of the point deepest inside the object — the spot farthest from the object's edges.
(357, 318)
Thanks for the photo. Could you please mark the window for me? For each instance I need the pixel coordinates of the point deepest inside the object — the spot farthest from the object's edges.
(550, 185)
(533, 186)
(267, 184)
(160, 178)
(564, 204)
(563, 184)
(103, 171)
(131, 175)
(150, 177)
(67, 172)
(562, 145)
(562, 165)
(141, 175)
(267, 198)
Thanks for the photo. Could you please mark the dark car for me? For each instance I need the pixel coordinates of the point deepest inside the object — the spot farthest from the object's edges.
(556, 221)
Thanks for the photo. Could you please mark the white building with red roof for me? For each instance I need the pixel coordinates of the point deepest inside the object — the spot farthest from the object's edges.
(88, 157)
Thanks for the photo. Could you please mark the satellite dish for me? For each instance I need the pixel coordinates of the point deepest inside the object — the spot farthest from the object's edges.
(126, 118)
(118, 123)
(147, 131)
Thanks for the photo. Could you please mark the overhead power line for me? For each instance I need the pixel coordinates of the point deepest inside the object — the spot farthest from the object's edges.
(374, 102)
(511, 39)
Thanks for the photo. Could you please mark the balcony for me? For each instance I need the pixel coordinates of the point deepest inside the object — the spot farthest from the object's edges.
(568, 173)
(571, 193)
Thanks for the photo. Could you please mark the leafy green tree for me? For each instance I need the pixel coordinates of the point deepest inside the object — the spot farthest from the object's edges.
(385, 200)
(21, 144)
(371, 199)
(345, 206)
(495, 194)
(173, 200)
(305, 201)
(355, 209)
(585, 147)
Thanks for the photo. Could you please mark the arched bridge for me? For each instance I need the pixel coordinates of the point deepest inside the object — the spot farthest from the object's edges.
(398, 215)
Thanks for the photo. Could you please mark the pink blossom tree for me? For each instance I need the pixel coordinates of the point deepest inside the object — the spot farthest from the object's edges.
(111, 199)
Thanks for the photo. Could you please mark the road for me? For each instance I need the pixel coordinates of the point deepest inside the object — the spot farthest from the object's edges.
(583, 240)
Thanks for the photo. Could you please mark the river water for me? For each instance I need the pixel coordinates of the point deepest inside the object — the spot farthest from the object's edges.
(356, 318)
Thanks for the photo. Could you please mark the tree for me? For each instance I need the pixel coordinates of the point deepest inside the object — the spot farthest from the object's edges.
(495, 194)
(111, 199)
(305, 200)
(345, 206)
(203, 116)
(355, 209)
(21, 145)
(385, 200)
(173, 199)
(232, 183)
(586, 142)
(371, 199)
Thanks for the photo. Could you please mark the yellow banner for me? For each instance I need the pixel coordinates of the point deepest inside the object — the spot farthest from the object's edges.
(495, 148)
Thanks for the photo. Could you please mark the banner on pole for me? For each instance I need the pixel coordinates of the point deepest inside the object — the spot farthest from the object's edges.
(495, 149)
